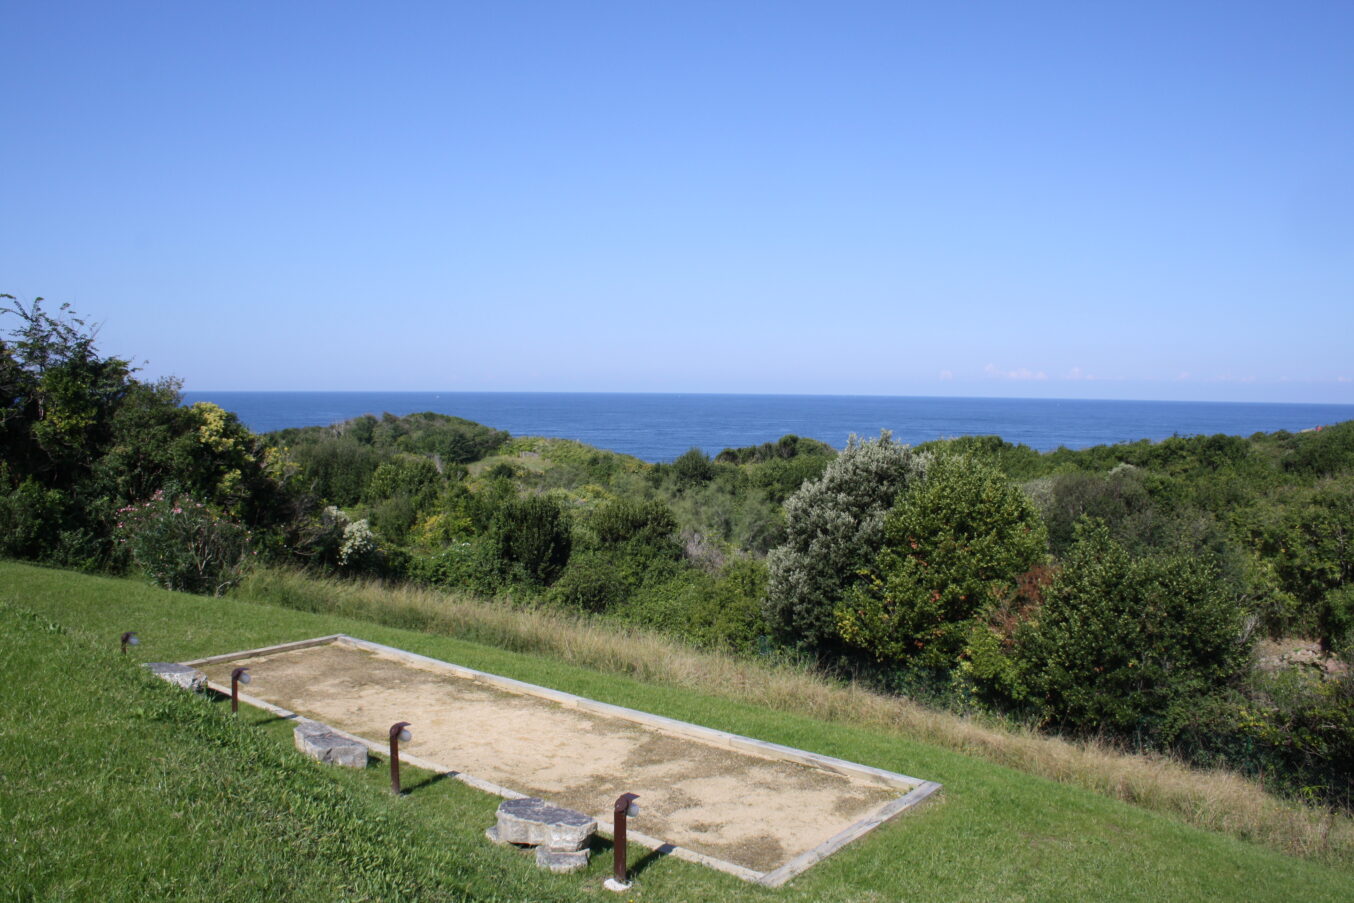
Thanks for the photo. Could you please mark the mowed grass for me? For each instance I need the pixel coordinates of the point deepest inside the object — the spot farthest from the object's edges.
(114, 785)
(1214, 799)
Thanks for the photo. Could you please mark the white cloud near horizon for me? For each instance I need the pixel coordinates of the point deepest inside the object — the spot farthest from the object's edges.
(1019, 374)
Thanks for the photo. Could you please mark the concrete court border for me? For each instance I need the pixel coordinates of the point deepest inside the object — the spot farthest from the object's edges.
(916, 790)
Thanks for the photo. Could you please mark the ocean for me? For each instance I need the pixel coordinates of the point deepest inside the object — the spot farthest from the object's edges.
(659, 427)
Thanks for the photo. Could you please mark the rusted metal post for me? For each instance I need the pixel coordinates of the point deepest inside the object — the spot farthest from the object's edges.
(398, 732)
(625, 806)
(237, 677)
(130, 639)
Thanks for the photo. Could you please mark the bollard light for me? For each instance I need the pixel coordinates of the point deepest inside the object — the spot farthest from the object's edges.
(237, 677)
(625, 808)
(130, 639)
(398, 731)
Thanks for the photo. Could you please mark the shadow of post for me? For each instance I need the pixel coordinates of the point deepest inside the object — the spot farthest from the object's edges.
(428, 782)
(650, 858)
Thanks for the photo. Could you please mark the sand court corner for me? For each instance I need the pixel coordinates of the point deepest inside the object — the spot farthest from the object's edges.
(761, 811)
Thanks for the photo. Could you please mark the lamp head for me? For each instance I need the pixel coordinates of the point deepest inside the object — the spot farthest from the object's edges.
(625, 805)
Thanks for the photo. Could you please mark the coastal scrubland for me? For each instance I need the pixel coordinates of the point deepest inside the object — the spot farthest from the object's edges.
(1167, 623)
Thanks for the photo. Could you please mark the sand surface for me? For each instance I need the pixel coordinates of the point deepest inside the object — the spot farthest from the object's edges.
(752, 811)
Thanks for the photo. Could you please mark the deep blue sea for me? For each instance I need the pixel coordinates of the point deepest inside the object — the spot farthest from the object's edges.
(661, 427)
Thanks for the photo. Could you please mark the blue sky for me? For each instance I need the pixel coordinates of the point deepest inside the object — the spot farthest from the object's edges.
(1042, 200)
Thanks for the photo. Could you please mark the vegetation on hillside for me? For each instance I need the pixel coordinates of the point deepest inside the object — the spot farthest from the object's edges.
(1118, 592)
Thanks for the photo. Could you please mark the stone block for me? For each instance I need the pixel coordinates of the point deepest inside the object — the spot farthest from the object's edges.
(179, 675)
(562, 862)
(532, 821)
(324, 745)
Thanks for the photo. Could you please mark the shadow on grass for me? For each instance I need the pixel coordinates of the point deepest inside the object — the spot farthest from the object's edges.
(650, 858)
(427, 782)
(604, 847)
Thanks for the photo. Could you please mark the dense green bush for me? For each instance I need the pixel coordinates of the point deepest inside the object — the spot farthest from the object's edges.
(729, 614)
(460, 564)
(1308, 537)
(1294, 728)
(181, 544)
(1120, 642)
(786, 447)
(641, 525)
(954, 544)
(1323, 452)
(593, 581)
(531, 538)
(30, 520)
(693, 466)
(83, 437)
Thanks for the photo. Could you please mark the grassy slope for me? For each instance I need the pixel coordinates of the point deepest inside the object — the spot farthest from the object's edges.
(97, 801)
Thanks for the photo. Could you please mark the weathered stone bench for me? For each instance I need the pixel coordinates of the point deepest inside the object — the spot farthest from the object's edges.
(560, 835)
(323, 744)
(179, 675)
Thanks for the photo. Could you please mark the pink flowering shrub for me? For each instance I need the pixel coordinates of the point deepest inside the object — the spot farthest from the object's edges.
(182, 544)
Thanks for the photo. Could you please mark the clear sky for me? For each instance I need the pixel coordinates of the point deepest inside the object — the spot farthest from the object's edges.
(1129, 200)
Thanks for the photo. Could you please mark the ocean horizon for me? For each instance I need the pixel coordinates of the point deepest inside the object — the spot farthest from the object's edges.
(659, 427)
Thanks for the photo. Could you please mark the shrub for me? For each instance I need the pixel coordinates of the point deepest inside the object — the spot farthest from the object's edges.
(531, 538)
(644, 528)
(693, 466)
(730, 615)
(461, 564)
(183, 545)
(954, 545)
(666, 600)
(591, 582)
(834, 526)
(1337, 626)
(413, 476)
(31, 519)
(1118, 642)
(392, 517)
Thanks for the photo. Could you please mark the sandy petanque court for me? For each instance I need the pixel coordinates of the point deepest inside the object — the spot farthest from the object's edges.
(751, 810)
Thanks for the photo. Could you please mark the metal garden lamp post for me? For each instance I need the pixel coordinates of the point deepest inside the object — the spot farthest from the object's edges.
(130, 639)
(398, 731)
(237, 677)
(625, 808)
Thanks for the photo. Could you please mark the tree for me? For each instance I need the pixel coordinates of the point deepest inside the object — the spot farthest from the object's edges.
(59, 393)
(834, 526)
(1120, 641)
(83, 437)
(954, 544)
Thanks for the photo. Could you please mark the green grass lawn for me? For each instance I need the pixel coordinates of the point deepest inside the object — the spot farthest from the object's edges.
(114, 785)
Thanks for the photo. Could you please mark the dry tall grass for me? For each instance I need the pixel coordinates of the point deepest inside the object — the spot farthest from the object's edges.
(1213, 799)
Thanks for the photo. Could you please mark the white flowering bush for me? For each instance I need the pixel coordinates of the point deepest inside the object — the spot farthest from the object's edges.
(834, 527)
(358, 546)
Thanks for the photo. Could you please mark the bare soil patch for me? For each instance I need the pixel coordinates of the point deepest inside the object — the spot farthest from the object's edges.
(752, 811)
